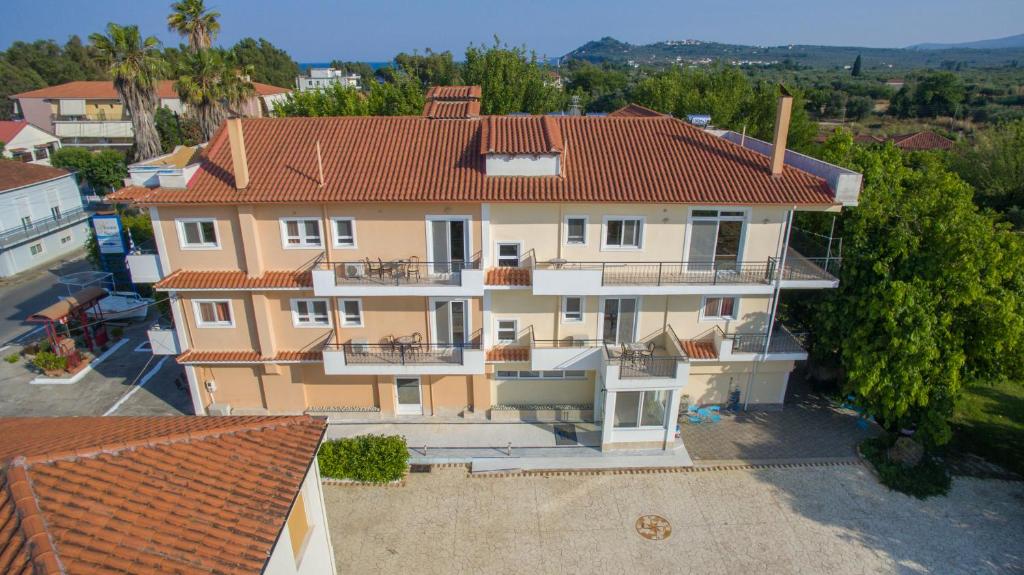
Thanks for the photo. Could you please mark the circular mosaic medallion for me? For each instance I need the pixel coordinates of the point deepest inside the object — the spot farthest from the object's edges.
(653, 527)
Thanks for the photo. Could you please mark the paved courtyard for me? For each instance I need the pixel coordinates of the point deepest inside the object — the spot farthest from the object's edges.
(833, 520)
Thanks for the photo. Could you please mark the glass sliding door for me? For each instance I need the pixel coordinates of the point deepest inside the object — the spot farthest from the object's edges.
(449, 242)
(451, 322)
(620, 320)
(716, 238)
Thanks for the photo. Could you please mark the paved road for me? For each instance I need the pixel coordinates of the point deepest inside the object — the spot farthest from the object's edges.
(833, 520)
(31, 291)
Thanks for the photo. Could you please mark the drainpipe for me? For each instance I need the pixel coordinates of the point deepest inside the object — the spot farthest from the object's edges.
(776, 290)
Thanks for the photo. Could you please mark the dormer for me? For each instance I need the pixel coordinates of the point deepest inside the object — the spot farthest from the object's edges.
(521, 145)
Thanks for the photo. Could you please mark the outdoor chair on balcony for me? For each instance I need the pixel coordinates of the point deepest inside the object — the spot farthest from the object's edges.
(374, 269)
(412, 268)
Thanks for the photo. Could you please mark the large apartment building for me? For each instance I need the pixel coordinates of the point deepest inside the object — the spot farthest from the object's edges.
(614, 269)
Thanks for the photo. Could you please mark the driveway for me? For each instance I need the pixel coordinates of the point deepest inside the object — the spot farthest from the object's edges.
(833, 520)
(31, 291)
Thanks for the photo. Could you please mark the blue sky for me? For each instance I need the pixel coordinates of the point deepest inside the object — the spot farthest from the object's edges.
(377, 29)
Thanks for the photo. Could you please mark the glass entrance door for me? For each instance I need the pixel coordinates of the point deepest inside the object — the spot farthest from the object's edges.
(451, 322)
(449, 245)
(409, 399)
(715, 239)
(619, 320)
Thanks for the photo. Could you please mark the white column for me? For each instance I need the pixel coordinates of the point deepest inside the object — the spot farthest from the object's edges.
(609, 418)
(673, 416)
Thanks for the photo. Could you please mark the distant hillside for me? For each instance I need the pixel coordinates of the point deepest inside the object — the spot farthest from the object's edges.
(992, 44)
(699, 52)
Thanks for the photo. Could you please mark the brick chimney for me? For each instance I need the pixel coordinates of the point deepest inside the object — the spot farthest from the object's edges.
(239, 161)
(782, 116)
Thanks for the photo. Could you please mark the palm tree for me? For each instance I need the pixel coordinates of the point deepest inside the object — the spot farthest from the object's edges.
(136, 66)
(211, 86)
(192, 20)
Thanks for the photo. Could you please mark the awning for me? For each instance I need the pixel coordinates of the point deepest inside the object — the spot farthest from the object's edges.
(65, 306)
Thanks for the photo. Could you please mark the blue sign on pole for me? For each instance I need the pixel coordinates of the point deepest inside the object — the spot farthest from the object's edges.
(108, 233)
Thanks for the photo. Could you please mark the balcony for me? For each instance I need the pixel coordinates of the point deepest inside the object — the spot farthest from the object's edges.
(72, 127)
(24, 233)
(565, 354)
(720, 346)
(657, 362)
(353, 358)
(163, 339)
(398, 278)
(652, 278)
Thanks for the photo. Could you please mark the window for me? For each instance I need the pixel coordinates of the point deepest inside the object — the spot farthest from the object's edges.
(35, 249)
(575, 374)
(508, 255)
(65, 239)
(213, 313)
(568, 374)
(55, 212)
(576, 231)
(344, 232)
(641, 408)
(351, 313)
(299, 233)
(506, 330)
(298, 527)
(197, 234)
(310, 313)
(719, 308)
(529, 375)
(623, 233)
(572, 309)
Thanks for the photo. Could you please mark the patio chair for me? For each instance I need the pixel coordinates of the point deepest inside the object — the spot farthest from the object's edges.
(412, 268)
(387, 343)
(417, 342)
(373, 269)
(649, 352)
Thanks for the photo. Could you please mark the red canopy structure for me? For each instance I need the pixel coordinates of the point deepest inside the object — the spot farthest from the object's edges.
(73, 307)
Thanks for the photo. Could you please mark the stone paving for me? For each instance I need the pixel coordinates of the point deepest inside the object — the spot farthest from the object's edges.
(809, 427)
(833, 520)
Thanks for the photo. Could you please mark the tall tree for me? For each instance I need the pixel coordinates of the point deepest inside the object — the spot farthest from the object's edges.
(212, 86)
(512, 80)
(856, 67)
(269, 64)
(994, 165)
(135, 65)
(192, 20)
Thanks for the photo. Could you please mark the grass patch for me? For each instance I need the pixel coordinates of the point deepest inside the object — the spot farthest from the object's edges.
(989, 422)
(925, 479)
(12, 358)
(367, 458)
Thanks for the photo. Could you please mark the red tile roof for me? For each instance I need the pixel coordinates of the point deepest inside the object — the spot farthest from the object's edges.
(922, 141)
(445, 109)
(103, 90)
(9, 129)
(508, 277)
(373, 159)
(193, 280)
(15, 174)
(520, 135)
(248, 356)
(508, 353)
(699, 349)
(454, 93)
(636, 111)
(148, 494)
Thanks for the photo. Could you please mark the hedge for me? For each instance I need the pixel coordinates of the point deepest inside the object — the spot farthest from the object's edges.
(367, 458)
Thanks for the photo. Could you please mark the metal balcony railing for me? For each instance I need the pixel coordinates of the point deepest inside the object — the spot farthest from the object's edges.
(672, 273)
(397, 272)
(783, 341)
(39, 228)
(388, 354)
(638, 365)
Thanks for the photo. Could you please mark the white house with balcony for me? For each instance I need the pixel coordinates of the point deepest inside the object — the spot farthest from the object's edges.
(41, 216)
(321, 78)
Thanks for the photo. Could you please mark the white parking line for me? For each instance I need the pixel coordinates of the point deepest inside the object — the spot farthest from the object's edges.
(145, 379)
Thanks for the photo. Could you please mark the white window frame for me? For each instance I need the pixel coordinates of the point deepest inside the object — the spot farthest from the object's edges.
(519, 252)
(498, 329)
(303, 245)
(184, 245)
(735, 308)
(42, 249)
(745, 219)
(564, 314)
(432, 317)
(344, 319)
(297, 317)
(563, 374)
(196, 303)
(334, 233)
(586, 229)
(640, 407)
(636, 316)
(641, 221)
(469, 235)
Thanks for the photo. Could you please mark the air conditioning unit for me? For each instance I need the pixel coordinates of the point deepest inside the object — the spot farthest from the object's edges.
(355, 270)
(359, 346)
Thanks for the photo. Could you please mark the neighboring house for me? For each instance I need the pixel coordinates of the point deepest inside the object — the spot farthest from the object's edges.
(611, 269)
(41, 216)
(895, 83)
(162, 495)
(90, 113)
(27, 143)
(320, 78)
(169, 170)
(915, 142)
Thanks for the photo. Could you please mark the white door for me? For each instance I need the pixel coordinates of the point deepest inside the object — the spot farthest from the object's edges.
(409, 398)
(449, 245)
(619, 323)
(451, 322)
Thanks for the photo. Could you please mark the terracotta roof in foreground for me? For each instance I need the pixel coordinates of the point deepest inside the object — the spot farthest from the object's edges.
(193, 280)
(15, 174)
(104, 90)
(148, 494)
(417, 159)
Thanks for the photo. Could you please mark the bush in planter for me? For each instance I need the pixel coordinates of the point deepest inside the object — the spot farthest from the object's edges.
(369, 458)
(50, 362)
(926, 479)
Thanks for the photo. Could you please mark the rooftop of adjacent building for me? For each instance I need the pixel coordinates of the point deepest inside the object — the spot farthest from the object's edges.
(15, 174)
(104, 90)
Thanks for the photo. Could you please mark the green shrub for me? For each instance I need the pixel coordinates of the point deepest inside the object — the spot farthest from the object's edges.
(926, 479)
(49, 361)
(12, 358)
(369, 458)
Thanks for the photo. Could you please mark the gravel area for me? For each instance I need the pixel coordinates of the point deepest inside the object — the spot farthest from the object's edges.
(831, 520)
